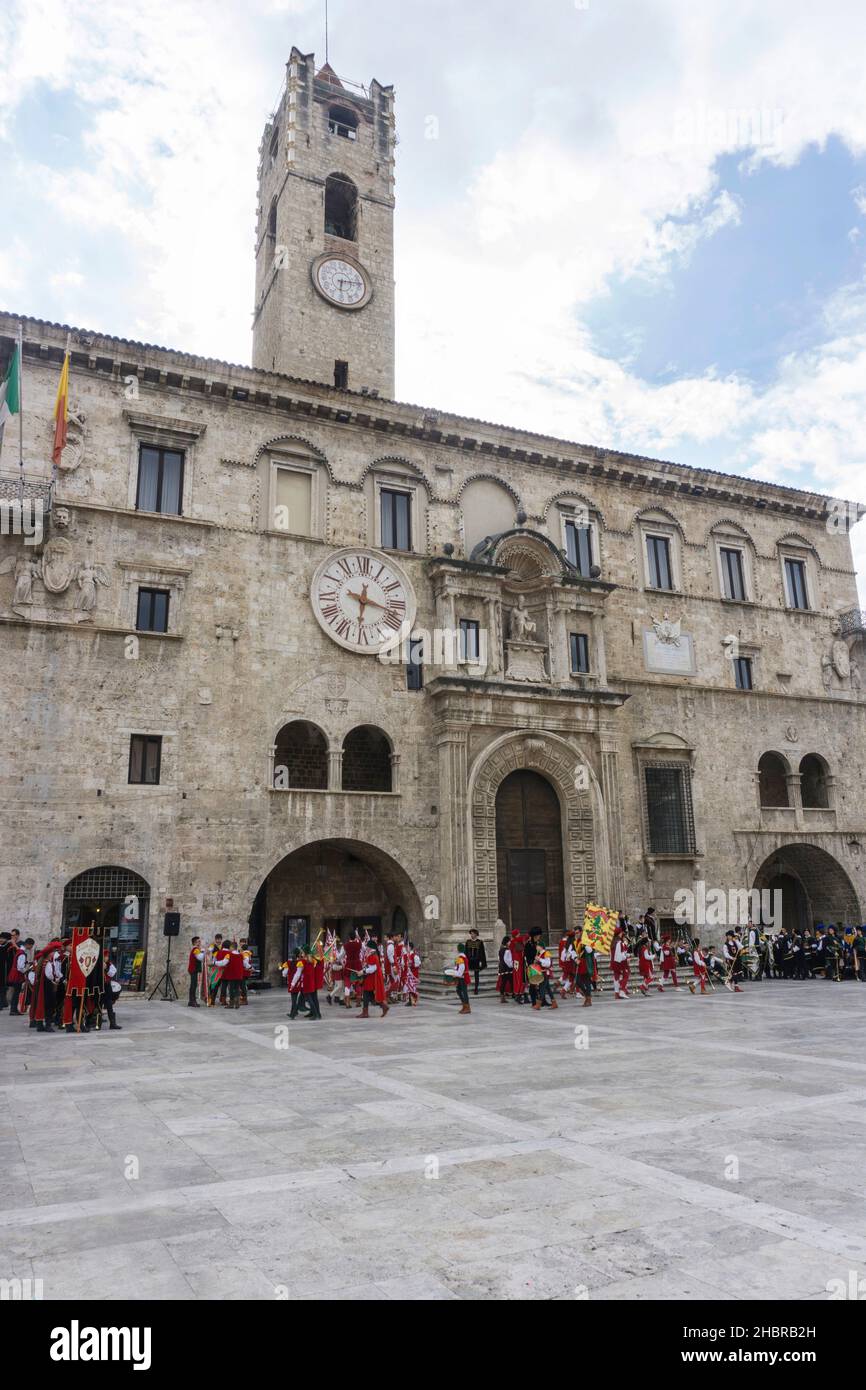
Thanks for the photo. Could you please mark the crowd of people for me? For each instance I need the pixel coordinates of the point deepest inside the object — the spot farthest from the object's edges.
(47, 986)
(357, 973)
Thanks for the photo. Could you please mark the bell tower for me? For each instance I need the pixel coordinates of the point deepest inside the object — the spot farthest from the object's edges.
(324, 307)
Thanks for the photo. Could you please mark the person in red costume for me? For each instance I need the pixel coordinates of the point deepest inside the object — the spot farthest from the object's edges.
(374, 982)
(646, 966)
(517, 945)
(352, 967)
(233, 972)
(194, 968)
(313, 973)
(669, 963)
(619, 963)
(47, 974)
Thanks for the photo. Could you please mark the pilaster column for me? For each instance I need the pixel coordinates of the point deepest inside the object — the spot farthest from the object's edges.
(335, 769)
(395, 772)
(611, 793)
(453, 830)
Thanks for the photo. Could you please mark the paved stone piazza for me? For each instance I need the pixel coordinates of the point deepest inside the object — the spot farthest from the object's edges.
(307, 1171)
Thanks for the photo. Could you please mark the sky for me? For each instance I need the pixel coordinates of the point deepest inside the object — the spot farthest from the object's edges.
(639, 224)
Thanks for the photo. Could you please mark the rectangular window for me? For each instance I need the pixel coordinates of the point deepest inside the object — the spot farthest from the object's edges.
(795, 578)
(414, 667)
(659, 561)
(668, 806)
(396, 520)
(293, 501)
(145, 756)
(733, 576)
(743, 672)
(579, 644)
(160, 480)
(152, 615)
(470, 646)
(578, 547)
(341, 375)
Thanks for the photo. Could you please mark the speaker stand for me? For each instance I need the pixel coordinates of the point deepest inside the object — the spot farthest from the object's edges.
(165, 982)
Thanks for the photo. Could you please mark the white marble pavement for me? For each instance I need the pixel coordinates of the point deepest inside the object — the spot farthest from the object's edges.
(707, 1149)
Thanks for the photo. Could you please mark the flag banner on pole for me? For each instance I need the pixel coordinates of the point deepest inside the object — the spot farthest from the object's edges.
(599, 924)
(10, 391)
(61, 412)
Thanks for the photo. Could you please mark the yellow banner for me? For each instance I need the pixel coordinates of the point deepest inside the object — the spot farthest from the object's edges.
(599, 924)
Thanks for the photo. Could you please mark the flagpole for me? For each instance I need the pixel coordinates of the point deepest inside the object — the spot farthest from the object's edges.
(21, 412)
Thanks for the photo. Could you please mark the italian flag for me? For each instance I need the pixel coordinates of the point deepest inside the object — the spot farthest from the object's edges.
(10, 391)
(61, 411)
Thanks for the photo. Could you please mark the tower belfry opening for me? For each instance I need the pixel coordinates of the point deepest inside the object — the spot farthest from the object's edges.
(325, 239)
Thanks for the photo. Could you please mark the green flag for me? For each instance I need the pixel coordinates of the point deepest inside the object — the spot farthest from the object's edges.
(10, 391)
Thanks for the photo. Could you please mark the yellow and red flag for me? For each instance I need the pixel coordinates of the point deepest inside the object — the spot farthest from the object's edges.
(599, 924)
(61, 412)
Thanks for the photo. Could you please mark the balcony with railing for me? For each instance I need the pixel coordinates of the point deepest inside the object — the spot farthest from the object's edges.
(23, 486)
(853, 623)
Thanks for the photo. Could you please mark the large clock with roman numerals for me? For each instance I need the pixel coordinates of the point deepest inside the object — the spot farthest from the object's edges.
(362, 599)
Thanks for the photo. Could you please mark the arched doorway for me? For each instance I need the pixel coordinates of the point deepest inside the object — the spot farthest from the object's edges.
(115, 901)
(814, 887)
(331, 885)
(529, 854)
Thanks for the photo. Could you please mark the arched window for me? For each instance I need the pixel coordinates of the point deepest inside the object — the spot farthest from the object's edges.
(343, 122)
(366, 760)
(301, 757)
(814, 789)
(773, 780)
(341, 207)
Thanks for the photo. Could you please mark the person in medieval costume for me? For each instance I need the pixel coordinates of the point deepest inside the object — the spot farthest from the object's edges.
(669, 963)
(20, 958)
(459, 973)
(216, 986)
(413, 975)
(586, 973)
(373, 979)
(646, 966)
(335, 962)
(45, 975)
(293, 973)
(232, 962)
(247, 957)
(111, 991)
(505, 977)
(544, 992)
(732, 952)
(699, 966)
(352, 969)
(195, 967)
(517, 946)
(620, 963)
(567, 964)
(312, 976)
(477, 956)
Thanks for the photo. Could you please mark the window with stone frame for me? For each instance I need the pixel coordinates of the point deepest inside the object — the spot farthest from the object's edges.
(300, 757)
(667, 806)
(367, 765)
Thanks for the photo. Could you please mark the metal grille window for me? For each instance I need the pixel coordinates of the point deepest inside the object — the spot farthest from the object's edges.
(579, 644)
(795, 578)
(578, 547)
(145, 756)
(659, 561)
(152, 613)
(396, 520)
(106, 882)
(668, 808)
(733, 576)
(743, 673)
(160, 480)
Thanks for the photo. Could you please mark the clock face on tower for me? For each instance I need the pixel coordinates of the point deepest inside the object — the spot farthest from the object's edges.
(362, 599)
(341, 282)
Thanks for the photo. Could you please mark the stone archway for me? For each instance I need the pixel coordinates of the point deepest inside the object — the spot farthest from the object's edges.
(331, 884)
(814, 886)
(584, 848)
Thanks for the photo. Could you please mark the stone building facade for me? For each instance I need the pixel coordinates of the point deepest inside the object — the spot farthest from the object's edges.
(292, 654)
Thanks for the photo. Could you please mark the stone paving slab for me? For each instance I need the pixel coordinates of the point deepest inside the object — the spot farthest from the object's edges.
(432, 1156)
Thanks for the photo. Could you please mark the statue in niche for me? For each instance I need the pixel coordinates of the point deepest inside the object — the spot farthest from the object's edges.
(521, 628)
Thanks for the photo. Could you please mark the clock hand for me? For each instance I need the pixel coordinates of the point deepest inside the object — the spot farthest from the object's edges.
(362, 599)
